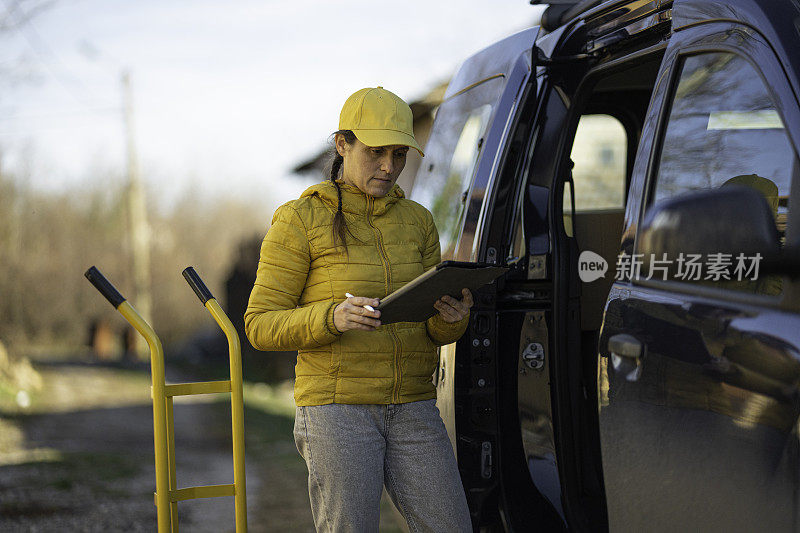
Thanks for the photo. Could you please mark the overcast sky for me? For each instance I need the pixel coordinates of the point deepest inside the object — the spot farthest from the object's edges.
(228, 96)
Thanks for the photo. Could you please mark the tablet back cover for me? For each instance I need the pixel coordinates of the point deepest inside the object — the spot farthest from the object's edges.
(414, 301)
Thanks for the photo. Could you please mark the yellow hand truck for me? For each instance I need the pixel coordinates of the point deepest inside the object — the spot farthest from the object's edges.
(167, 495)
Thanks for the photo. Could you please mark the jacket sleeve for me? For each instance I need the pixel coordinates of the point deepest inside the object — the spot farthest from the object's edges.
(273, 321)
(439, 331)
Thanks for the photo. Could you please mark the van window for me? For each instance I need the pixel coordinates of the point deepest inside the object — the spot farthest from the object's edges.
(444, 181)
(599, 152)
(724, 129)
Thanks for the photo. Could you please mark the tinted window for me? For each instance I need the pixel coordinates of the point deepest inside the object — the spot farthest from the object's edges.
(724, 129)
(444, 181)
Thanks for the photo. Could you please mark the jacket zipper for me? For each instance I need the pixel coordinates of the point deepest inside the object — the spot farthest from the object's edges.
(388, 285)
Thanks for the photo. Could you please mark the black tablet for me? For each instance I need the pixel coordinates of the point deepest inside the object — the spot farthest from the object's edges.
(414, 301)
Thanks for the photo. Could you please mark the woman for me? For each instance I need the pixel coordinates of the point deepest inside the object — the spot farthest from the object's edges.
(366, 414)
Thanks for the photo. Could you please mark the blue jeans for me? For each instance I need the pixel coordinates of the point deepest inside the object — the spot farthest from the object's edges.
(352, 451)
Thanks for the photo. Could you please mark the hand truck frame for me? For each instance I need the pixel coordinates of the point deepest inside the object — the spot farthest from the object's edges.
(167, 494)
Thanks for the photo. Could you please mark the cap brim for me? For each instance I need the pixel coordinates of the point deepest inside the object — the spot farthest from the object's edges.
(387, 138)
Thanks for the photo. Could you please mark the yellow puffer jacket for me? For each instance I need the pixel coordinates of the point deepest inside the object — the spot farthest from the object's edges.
(302, 277)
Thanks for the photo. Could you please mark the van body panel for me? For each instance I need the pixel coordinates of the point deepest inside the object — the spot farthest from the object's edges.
(706, 438)
(497, 59)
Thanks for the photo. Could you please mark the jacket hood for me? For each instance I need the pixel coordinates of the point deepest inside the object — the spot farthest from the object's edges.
(353, 199)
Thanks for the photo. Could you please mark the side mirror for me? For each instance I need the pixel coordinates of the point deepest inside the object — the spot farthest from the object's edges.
(733, 219)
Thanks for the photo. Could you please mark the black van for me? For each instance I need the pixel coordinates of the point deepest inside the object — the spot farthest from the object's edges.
(638, 369)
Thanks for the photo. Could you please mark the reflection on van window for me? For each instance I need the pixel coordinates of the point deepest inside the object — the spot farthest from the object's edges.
(600, 154)
(723, 124)
(444, 181)
(446, 210)
(724, 129)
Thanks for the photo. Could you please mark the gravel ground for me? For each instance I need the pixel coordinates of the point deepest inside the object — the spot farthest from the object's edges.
(80, 457)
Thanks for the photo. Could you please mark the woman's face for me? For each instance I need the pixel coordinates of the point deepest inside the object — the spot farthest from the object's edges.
(373, 169)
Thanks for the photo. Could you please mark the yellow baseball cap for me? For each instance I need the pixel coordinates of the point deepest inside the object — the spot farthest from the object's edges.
(379, 118)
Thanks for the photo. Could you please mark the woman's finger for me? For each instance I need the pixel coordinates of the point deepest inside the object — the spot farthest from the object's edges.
(448, 313)
(466, 300)
(358, 319)
(467, 297)
(360, 309)
(451, 317)
(463, 306)
(354, 322)
(459, 306)
(348, 316)
(358, 315)
(357, 310)
(362, 301)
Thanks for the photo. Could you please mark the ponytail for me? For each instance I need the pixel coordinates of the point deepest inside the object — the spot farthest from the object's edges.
(339, 223)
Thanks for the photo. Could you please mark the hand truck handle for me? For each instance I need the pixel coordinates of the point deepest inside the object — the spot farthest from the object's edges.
(104, 286)
(197, 285)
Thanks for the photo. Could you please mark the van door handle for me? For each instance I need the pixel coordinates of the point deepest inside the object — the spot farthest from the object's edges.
(626, 355)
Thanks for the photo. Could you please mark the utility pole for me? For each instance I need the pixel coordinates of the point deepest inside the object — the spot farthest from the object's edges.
(139, 228)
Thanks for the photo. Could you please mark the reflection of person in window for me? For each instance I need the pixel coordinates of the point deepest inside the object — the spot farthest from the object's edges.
(765, 186)
(770, 284)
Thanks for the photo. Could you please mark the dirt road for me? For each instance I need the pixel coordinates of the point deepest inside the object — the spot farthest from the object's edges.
(80, 458)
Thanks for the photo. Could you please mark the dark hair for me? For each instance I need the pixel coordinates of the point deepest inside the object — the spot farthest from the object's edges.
(339, 223)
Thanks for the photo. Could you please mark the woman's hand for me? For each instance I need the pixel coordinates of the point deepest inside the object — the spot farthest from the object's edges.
(350, 314)
(453, 310)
